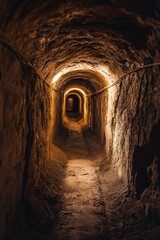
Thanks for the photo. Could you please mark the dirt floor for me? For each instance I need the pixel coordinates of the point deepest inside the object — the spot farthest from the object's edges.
(94, 205)
(83, 212)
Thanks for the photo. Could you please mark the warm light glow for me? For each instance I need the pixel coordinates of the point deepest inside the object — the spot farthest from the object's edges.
(75, 89)
(106, 78)
(97, 68)
(56, 77)
(83, 105)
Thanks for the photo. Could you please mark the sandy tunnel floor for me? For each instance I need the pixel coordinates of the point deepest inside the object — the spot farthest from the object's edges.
(94, 205)
(83, 212)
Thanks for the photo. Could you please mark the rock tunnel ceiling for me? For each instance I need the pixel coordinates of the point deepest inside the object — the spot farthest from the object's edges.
(53, 34)
(52, 48)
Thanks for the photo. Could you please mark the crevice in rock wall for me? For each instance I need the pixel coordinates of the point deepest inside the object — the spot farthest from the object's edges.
(146, 174)
(146, 167)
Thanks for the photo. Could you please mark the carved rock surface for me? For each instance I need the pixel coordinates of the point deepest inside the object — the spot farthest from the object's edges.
(38, 39)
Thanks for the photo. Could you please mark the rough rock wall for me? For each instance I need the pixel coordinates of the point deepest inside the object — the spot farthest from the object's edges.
(14, 130)
(39, 117)
(24, 122)
(121, 35)
(135, 130)
(66, 32)
(99, 112)
(145, 160)
(57, 115)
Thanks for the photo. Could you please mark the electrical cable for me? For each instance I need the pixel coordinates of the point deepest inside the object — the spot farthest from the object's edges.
(12, 47)
(122, 77)
(5, 41)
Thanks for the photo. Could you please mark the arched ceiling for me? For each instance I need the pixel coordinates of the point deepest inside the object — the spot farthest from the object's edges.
(55, 34)
(95, 78)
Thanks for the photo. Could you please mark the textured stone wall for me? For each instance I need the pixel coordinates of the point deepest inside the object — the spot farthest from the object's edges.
(56, 109)
(39, 120)
(25, 134)
(99, 112)
(55, 35)
(135, 130)
(13, 132)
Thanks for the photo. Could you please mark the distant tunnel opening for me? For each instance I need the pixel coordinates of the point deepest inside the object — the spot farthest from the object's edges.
(74, 106)
(77, 107)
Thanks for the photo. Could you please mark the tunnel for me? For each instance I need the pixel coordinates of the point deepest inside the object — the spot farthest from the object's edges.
(73, 105)
(80, 120)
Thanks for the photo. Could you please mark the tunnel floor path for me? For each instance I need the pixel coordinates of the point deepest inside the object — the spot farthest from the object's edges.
(95, 204)
(83, 213)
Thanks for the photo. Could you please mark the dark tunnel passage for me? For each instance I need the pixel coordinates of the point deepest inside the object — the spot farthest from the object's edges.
(72, 104)
(79, 120)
